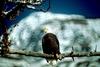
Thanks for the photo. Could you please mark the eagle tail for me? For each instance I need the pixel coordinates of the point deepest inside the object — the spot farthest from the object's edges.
(52, 62)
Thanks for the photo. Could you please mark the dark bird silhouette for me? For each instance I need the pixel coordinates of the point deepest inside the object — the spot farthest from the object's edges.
(50, 45)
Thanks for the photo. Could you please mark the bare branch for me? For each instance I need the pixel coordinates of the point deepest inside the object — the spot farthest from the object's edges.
(63, 55)
(72, 52)
(81, 54)
(95, 49)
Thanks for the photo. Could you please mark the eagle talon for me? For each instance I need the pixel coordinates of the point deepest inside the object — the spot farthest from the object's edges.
(61, 57)
(57, 56)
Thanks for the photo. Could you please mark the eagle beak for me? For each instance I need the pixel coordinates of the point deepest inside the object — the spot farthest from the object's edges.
(45, 29)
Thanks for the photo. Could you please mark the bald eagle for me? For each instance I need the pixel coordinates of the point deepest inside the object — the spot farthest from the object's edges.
(50, 45)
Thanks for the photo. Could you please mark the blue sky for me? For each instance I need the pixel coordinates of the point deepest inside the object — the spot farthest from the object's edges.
(88, 8)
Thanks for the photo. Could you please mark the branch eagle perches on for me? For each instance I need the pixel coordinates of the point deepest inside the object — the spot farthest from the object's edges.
(61, 56)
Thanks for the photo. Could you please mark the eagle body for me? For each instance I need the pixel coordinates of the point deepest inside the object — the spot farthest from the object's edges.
(50, 45)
